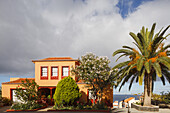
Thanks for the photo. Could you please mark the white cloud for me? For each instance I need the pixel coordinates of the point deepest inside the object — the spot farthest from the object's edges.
(37, 29)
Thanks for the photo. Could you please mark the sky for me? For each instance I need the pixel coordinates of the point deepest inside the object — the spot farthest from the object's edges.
(36, 29)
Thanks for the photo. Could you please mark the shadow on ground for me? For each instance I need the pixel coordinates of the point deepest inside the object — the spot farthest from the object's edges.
(4, 108)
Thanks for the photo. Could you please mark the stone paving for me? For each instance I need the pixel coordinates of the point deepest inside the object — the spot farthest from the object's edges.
(120, 110)
(133, 110)
(49, 107)
(4, 108)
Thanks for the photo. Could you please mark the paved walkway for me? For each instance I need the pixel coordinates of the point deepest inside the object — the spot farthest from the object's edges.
(45, 109)
(133, 110)
(121, 110)
(4, 108)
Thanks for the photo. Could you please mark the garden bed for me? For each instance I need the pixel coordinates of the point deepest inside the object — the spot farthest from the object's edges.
(12, 110)
(164, 106)
(1, 104)
(145, 108)
(83, 110)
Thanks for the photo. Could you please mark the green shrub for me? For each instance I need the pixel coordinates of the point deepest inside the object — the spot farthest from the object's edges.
(30, 92)
(24, 106)
(15, 106)
(80, 105)
(6, 101)
(49, 97)
(67, 92)
(61, 107)
(167, 98)
(100, 106)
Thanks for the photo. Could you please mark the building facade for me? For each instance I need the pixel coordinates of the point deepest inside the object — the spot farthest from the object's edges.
(48, 72)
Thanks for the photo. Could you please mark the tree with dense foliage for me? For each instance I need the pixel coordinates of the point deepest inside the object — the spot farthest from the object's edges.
(0, 92)
(149, 60)
(167, 97)
(67, 92)
(94, 71)
(27, 92)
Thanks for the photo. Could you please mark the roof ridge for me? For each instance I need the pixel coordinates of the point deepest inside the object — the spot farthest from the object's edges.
(18, 81)
(128, 99)
(55, 59)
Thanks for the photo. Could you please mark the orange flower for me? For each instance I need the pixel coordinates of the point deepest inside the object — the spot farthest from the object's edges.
(130, 63)
(137, 57)
(153, 59)
(135, 51)
(133, 67)
(162, 54)
(134, 60)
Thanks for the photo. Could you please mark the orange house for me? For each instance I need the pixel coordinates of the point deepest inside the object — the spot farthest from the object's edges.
(48, 72)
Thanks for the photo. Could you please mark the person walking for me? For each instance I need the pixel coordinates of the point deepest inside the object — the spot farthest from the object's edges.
(123, 104)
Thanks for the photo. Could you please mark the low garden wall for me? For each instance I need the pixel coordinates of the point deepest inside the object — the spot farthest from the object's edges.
(145, 108)
(164, 106)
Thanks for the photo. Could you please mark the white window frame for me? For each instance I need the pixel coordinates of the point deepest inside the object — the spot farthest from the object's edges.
(65, 72)
(53, 73)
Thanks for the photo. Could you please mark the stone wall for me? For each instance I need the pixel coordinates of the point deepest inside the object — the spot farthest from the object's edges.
(145, 108)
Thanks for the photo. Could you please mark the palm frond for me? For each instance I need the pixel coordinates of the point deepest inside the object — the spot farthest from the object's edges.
(141, 77)
(130, 68)
(157, 69)
(141, 50)
(163, 80)
(156, 42)
(148, 66)
(137, 40)
(166, 47)
(152, 32)
(164, 61)
(140, 64)
(121, 65)
(164, 31)
(141, 38)
(130, 85)
(128, 47)
(120, 56)
(128, 52)
(168, 53)
(166, 75)
(126, 78)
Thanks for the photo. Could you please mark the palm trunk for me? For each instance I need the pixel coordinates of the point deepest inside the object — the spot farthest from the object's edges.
(147, 89)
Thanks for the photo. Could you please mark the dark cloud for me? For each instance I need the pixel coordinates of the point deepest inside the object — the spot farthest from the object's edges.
(37, 29)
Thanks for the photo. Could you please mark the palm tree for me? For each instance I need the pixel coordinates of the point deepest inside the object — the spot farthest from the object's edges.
(149, 60)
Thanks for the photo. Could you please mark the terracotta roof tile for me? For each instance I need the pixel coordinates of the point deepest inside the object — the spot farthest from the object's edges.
(128, 99)
(18, 81)
(55, 59)
(115, 101)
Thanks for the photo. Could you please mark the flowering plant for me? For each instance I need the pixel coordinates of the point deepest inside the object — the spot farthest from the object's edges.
(95, 72)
